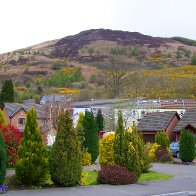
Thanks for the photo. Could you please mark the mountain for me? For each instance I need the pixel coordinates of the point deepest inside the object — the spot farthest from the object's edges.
(152, 57)
(96, 46)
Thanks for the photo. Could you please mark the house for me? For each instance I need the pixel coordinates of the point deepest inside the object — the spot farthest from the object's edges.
(15, 115)
(188, 121)
(53, 98)
(151, 123)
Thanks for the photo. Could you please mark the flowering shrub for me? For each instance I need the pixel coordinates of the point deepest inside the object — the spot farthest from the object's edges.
(151, 149)
(12, 138)
(21, 88)
(115, 175)
(163, 155)
(86, 158)
(3, 188)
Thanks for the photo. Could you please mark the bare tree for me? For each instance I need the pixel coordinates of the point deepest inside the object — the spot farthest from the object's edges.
(52, 109)
(117, 78)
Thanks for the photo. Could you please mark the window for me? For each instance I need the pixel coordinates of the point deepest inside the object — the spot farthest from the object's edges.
(21, 121)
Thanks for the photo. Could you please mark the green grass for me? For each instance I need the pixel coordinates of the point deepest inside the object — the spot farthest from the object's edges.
(90, 177)
(153, 176)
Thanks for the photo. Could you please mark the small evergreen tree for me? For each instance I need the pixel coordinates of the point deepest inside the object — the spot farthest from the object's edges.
(2, 118)
(119, 142)
(7, 92)
(80, 130)
(91, 135)
(32, 165)
(100, 120)
(187, 146)
(65, 161)
(3, 159)
(162, 139)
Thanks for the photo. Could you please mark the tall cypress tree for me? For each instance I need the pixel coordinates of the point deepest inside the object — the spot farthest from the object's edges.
(7, 92)
(120, 142)
(3, 159)
(100, 120)
(91, 135)
(32, 166)
(65, 160)
(80, 130)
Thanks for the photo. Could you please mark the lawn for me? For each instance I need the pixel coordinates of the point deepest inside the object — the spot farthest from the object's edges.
(90, 177)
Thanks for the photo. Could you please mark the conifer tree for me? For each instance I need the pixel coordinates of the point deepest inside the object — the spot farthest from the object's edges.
(187, 146)
(65, 160)
(2, 118)
(3, 159)
(100, 120)
(7, 92)
(80, 130)
(91, 135)
(162, 139)
(32, 166)
(119, 143)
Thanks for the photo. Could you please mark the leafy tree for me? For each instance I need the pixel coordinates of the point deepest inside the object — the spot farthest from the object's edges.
(39, 90)
(100, 120)
(193, 59)
(3, 159)
(80, 130)
(91, 135)
(2, 118)
(32, 166)
(178, 54)
(7, 92)
(187, 146)
(119, 143)
(162, 139)
(65, 161)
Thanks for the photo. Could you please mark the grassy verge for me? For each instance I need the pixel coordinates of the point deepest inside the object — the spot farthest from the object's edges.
(153, 176)
(90, 177)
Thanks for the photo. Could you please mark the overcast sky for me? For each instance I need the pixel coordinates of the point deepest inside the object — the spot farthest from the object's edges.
(27, 22)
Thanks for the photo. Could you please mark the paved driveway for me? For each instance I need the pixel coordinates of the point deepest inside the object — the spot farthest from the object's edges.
(184, 180)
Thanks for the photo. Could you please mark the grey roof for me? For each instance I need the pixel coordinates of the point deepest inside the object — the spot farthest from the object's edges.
(139, 104)
(189, 118)
(12, 108)
(49, 98)
(156, 121)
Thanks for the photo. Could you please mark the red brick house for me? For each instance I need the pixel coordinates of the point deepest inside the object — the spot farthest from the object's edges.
(15, 114)
(151, 123)
(188, 121)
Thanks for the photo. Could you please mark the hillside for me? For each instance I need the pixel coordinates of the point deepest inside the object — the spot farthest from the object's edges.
(49, 64)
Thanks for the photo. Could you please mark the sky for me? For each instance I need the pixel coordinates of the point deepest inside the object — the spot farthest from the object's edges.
(25, 23)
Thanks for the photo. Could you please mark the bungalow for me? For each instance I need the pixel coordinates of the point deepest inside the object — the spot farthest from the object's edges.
(15, 115)
(151, 123)
(188, 121)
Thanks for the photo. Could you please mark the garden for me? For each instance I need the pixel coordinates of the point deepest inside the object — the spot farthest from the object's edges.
(122, 155)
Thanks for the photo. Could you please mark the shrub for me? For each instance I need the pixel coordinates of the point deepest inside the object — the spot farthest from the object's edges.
(91, 135)
(162, 139)
(106, 152)
(3, 159)
(2, 119)
(65, 160)
(147, 161)
(86, 158)
(12, 138)
(32, 164)
(187, 146)
(151, 149)
(116, 175)
(163, 155)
